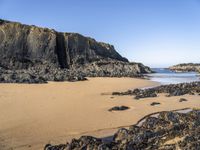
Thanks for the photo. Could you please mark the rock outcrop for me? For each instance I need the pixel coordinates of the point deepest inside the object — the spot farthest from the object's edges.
(50, 55)
(189, 67)
(171, 90)
(168, 130)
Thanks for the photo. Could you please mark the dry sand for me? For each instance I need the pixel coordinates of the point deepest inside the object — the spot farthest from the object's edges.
(34, 115)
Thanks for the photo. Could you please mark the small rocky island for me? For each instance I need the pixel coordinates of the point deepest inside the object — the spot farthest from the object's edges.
(186, 67)
(30, 54)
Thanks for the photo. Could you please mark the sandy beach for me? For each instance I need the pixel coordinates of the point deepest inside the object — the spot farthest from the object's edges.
(33, 115)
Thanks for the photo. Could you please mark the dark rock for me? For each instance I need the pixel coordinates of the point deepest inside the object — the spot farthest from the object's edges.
(144, 93)
(118, 108)
(56, 56)
(121, 135)
(153, 133)
(56, 147)
(172, 90)
(182, 100)
(187, 67)
(155, 103)
(151, 121)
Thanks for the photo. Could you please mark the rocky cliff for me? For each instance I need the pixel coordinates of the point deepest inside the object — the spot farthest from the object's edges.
(33, 54)
(188, 67)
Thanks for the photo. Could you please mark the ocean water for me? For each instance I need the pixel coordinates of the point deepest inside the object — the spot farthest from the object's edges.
(165, 76)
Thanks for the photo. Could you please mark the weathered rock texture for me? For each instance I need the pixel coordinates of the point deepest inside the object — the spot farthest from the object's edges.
(162, 131)
(50, 55)
(171, 90)
(189, 67)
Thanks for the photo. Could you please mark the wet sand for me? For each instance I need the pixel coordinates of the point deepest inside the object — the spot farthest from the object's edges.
(36, 114)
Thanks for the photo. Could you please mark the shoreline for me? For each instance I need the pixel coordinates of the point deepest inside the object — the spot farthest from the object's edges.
(59, 111)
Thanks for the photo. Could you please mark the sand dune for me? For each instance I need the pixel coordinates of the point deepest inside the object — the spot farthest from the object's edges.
(33, 115)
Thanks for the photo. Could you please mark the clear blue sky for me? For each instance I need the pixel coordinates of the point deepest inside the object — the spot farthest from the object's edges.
(157, 33)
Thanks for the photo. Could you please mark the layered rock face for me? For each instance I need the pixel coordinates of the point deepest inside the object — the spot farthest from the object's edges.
(163, 131)
(189, 67)
(45, 53)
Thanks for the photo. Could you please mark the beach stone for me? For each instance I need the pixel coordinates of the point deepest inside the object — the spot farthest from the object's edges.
(84, 143)
(155, 103)
(56, 147)
(182, 100)
(144, 93)
(118, 108)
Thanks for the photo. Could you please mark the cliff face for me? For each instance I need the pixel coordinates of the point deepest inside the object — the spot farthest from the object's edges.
(24, 47)
(188, 67)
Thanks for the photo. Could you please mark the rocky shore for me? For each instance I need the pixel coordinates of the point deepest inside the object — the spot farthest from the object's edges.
(170, 90)
(30, 54)
(187, 67)
(168, 130)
